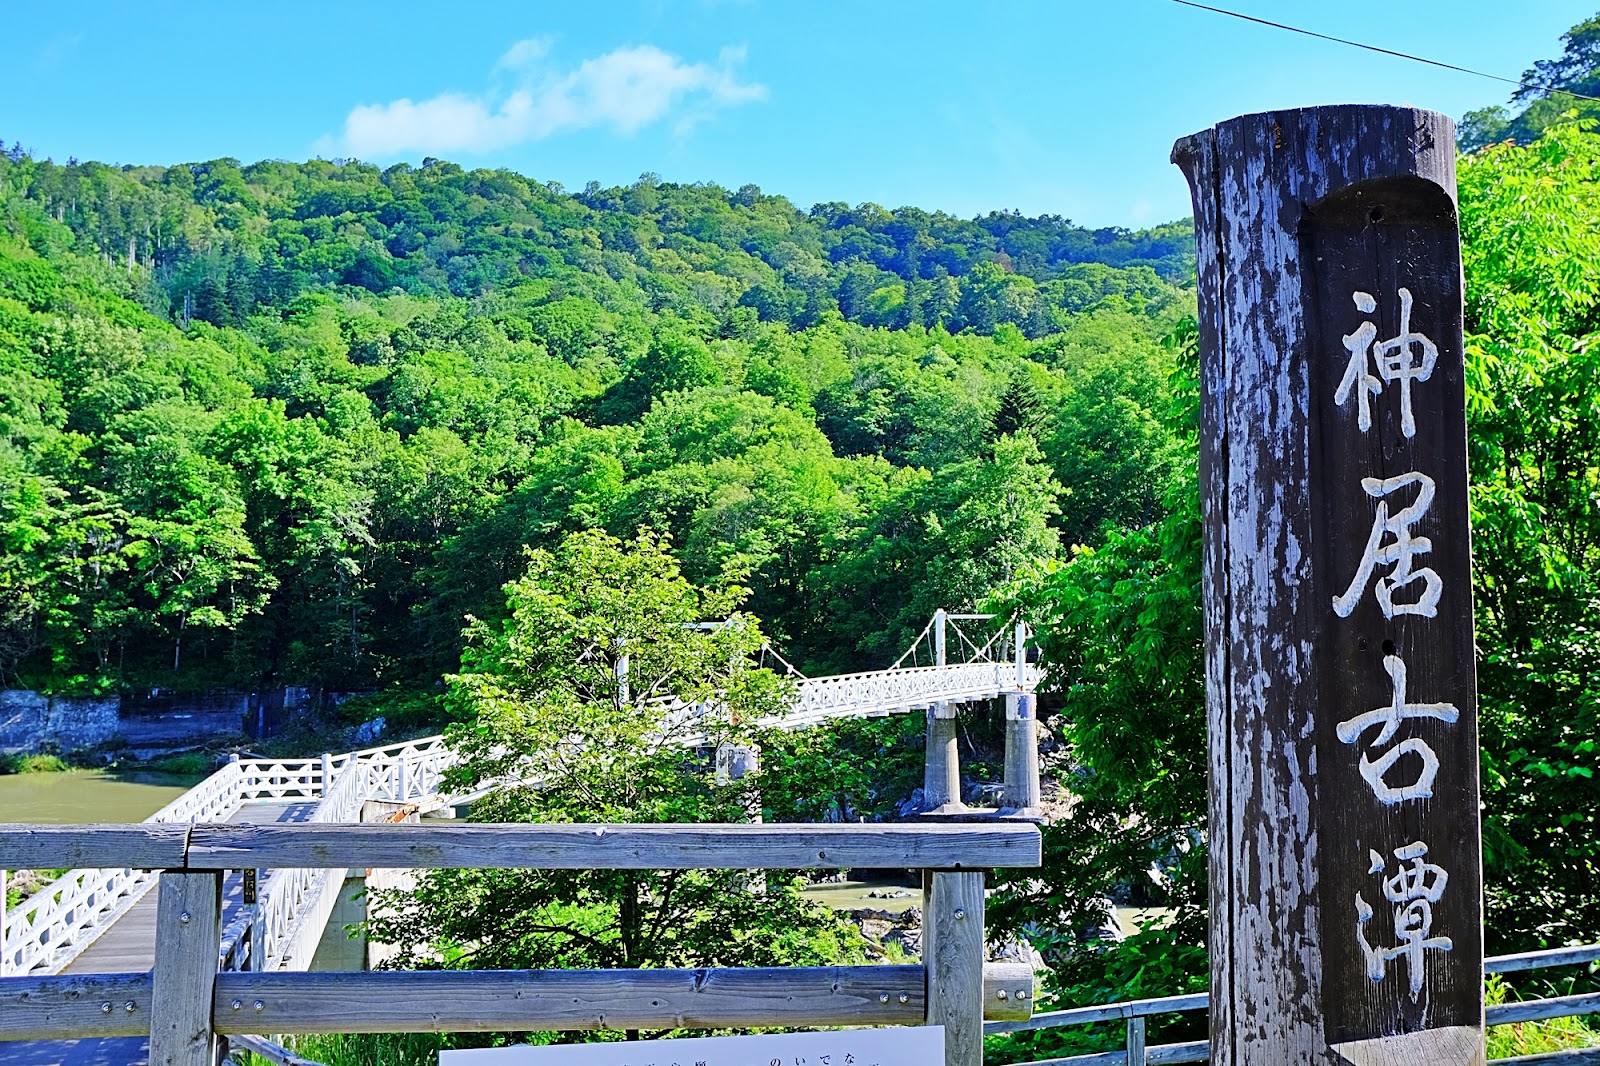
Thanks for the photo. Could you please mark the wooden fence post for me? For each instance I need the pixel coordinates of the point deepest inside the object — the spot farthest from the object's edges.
(1136, 1051)
(1346, 921)
(188, 935)
(952, 953)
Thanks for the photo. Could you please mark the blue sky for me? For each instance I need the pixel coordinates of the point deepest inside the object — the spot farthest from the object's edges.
(1067, 107)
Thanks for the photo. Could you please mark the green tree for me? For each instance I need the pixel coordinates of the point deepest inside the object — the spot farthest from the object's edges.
(1121, 634)
(946, 540)
(1530, 222)
(582, 701)
(1550, 93)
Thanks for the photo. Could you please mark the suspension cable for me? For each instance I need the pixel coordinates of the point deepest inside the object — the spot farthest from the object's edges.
(925, 631)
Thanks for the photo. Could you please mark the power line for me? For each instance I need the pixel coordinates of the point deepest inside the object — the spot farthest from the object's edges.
(1381, 51)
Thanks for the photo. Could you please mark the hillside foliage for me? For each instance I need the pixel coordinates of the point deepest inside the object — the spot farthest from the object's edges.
(294, 423)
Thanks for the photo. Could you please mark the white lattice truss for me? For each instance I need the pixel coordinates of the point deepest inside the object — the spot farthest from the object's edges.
(281, 931)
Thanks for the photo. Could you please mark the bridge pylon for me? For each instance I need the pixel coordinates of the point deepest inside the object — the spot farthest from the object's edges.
(941, 779)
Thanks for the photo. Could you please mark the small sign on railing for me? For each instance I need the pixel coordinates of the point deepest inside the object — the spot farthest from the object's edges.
(921, 1045)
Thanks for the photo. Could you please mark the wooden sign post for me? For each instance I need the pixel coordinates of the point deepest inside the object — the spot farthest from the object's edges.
(1346, 890)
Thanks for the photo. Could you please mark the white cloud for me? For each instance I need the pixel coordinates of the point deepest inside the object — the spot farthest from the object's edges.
(626, 90)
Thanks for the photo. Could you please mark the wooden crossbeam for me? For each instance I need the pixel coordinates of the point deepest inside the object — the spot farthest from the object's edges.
(44, 1008)
(522, 846)
(520, 1001)
(82, 1007)
(616, 847)
(145, 846)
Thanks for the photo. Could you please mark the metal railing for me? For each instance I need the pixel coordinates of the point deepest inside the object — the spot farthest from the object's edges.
(1135, 1012)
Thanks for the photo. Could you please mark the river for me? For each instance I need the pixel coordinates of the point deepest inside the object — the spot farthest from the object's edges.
(84, 796)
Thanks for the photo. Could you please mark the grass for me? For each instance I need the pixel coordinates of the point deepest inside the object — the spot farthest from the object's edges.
(32, 764)
(365, 1049)
(184, 764)
(1534, 1038)
(15, 896)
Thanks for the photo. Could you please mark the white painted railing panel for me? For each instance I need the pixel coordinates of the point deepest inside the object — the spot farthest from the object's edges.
(295, 903)
(51, 927)
(896, 691)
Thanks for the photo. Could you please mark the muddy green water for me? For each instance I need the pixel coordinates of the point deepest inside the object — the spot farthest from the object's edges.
(857, 895)
(88, 796)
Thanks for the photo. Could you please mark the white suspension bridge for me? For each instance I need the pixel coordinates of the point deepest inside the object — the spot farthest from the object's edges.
(102, 921)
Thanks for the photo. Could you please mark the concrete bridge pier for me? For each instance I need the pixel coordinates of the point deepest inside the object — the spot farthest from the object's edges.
(941, 776)
(1021, 796)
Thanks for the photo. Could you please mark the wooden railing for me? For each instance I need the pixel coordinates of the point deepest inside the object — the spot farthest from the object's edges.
(53, 925)
(1134, 1012)
(45, 933)
(188, 1007)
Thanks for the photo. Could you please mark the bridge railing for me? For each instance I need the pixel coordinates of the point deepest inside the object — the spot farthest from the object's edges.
(407, 771)
(1135, 1012)
(187, 1007)
(282, 930)
(47, 931)
(880, 692)
(55, 924)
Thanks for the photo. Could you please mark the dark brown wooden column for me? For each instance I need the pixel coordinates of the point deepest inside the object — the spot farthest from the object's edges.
(1346, 911)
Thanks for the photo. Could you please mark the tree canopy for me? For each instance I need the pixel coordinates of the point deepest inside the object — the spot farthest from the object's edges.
(1551, 91)
(291, 423)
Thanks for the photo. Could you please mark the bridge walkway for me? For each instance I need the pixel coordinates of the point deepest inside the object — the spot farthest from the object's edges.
(52, 932)
(128, 946)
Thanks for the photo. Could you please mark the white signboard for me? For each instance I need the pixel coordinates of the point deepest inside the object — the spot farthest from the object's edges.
(921, 1045)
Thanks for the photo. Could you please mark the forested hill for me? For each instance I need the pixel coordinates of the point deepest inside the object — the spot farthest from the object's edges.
(224, 239)
(292, 423)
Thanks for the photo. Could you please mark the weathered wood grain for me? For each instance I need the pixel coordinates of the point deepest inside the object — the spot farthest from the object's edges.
(1197, 157)
(952, 951)
(188, 930)
(1135, 1042)
(1293, 209)
(619, 847)
(145, 846)
(1008, 991)
(1536, 960)
(86, 1007)
(1443, 1044)
(1380, 236)
(482, 1001)
(1539, 1009)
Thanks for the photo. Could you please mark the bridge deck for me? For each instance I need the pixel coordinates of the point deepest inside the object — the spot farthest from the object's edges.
(129, 947)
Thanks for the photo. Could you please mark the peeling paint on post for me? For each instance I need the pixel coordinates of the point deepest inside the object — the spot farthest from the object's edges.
(1346, 909)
